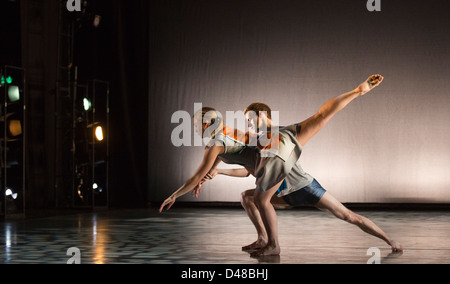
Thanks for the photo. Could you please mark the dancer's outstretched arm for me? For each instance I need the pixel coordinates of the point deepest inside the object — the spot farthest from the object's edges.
(208, 162)
(314, 124)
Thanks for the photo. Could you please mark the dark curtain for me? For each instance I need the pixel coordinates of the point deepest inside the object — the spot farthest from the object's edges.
(129, 103)
(115, 51)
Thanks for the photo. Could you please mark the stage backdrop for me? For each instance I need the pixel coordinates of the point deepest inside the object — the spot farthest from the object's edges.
(392, 145)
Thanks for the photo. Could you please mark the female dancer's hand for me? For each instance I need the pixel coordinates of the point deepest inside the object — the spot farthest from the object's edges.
(168, 202)
(209, 176)
(198, 189)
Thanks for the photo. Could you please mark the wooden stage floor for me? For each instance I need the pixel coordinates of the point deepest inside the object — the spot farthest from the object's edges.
(216, 235)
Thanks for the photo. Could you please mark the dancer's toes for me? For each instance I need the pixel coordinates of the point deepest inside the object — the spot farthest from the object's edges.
(375, 80)
(371, 83)
(269, 250)
(259, 244)
(396, 246)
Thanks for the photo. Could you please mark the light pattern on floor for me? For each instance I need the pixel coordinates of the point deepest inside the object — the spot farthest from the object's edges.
(215, 236)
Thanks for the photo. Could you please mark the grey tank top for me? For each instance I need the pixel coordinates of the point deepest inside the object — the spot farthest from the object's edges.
(237, 150)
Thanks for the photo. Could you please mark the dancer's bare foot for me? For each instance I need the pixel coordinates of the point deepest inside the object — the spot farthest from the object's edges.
(259, 244)
(268, 250)
(396, 246)
(371, 83)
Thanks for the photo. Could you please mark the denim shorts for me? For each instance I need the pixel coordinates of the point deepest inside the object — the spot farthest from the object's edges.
(309, 195)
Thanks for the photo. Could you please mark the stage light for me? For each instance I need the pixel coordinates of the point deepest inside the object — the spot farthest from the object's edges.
(10, 193)
(6, 80)
(13, 94)
(15, 128)
(99, 133)
(12, 135)
(91, 136)
(97, 20)
(96, 188)
(80, 194)
(87, 104)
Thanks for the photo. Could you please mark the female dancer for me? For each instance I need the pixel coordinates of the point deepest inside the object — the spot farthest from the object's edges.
(275, 172)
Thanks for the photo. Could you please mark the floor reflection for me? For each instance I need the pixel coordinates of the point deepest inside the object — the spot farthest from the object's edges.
(215, 236)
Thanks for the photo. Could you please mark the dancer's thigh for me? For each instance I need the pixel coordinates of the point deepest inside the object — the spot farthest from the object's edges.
(276, 201)
(332, 205)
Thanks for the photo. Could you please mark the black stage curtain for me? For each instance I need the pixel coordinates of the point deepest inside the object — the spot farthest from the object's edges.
(115, 51)
(129, 102)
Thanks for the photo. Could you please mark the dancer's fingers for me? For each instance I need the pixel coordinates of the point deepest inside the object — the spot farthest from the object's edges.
(169, 202)
(162, 206)
(198, 191)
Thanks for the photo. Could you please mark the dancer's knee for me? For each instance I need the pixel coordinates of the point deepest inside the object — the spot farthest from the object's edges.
(246, 198)
(261, 200)
(352, 218)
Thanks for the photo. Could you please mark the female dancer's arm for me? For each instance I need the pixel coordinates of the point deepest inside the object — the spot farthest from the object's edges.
(314, 124)
(208, 162)
(243, 173)
(234, 173)
(213, 173)
(210, 175)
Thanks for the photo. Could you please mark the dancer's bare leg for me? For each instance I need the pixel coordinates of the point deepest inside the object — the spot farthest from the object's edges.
(331, 204)
(270, 220)
(314, 124)
(248, 202)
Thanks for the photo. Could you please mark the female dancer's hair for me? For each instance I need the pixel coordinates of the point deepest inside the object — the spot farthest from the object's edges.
(206, 114)
(211, 116)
